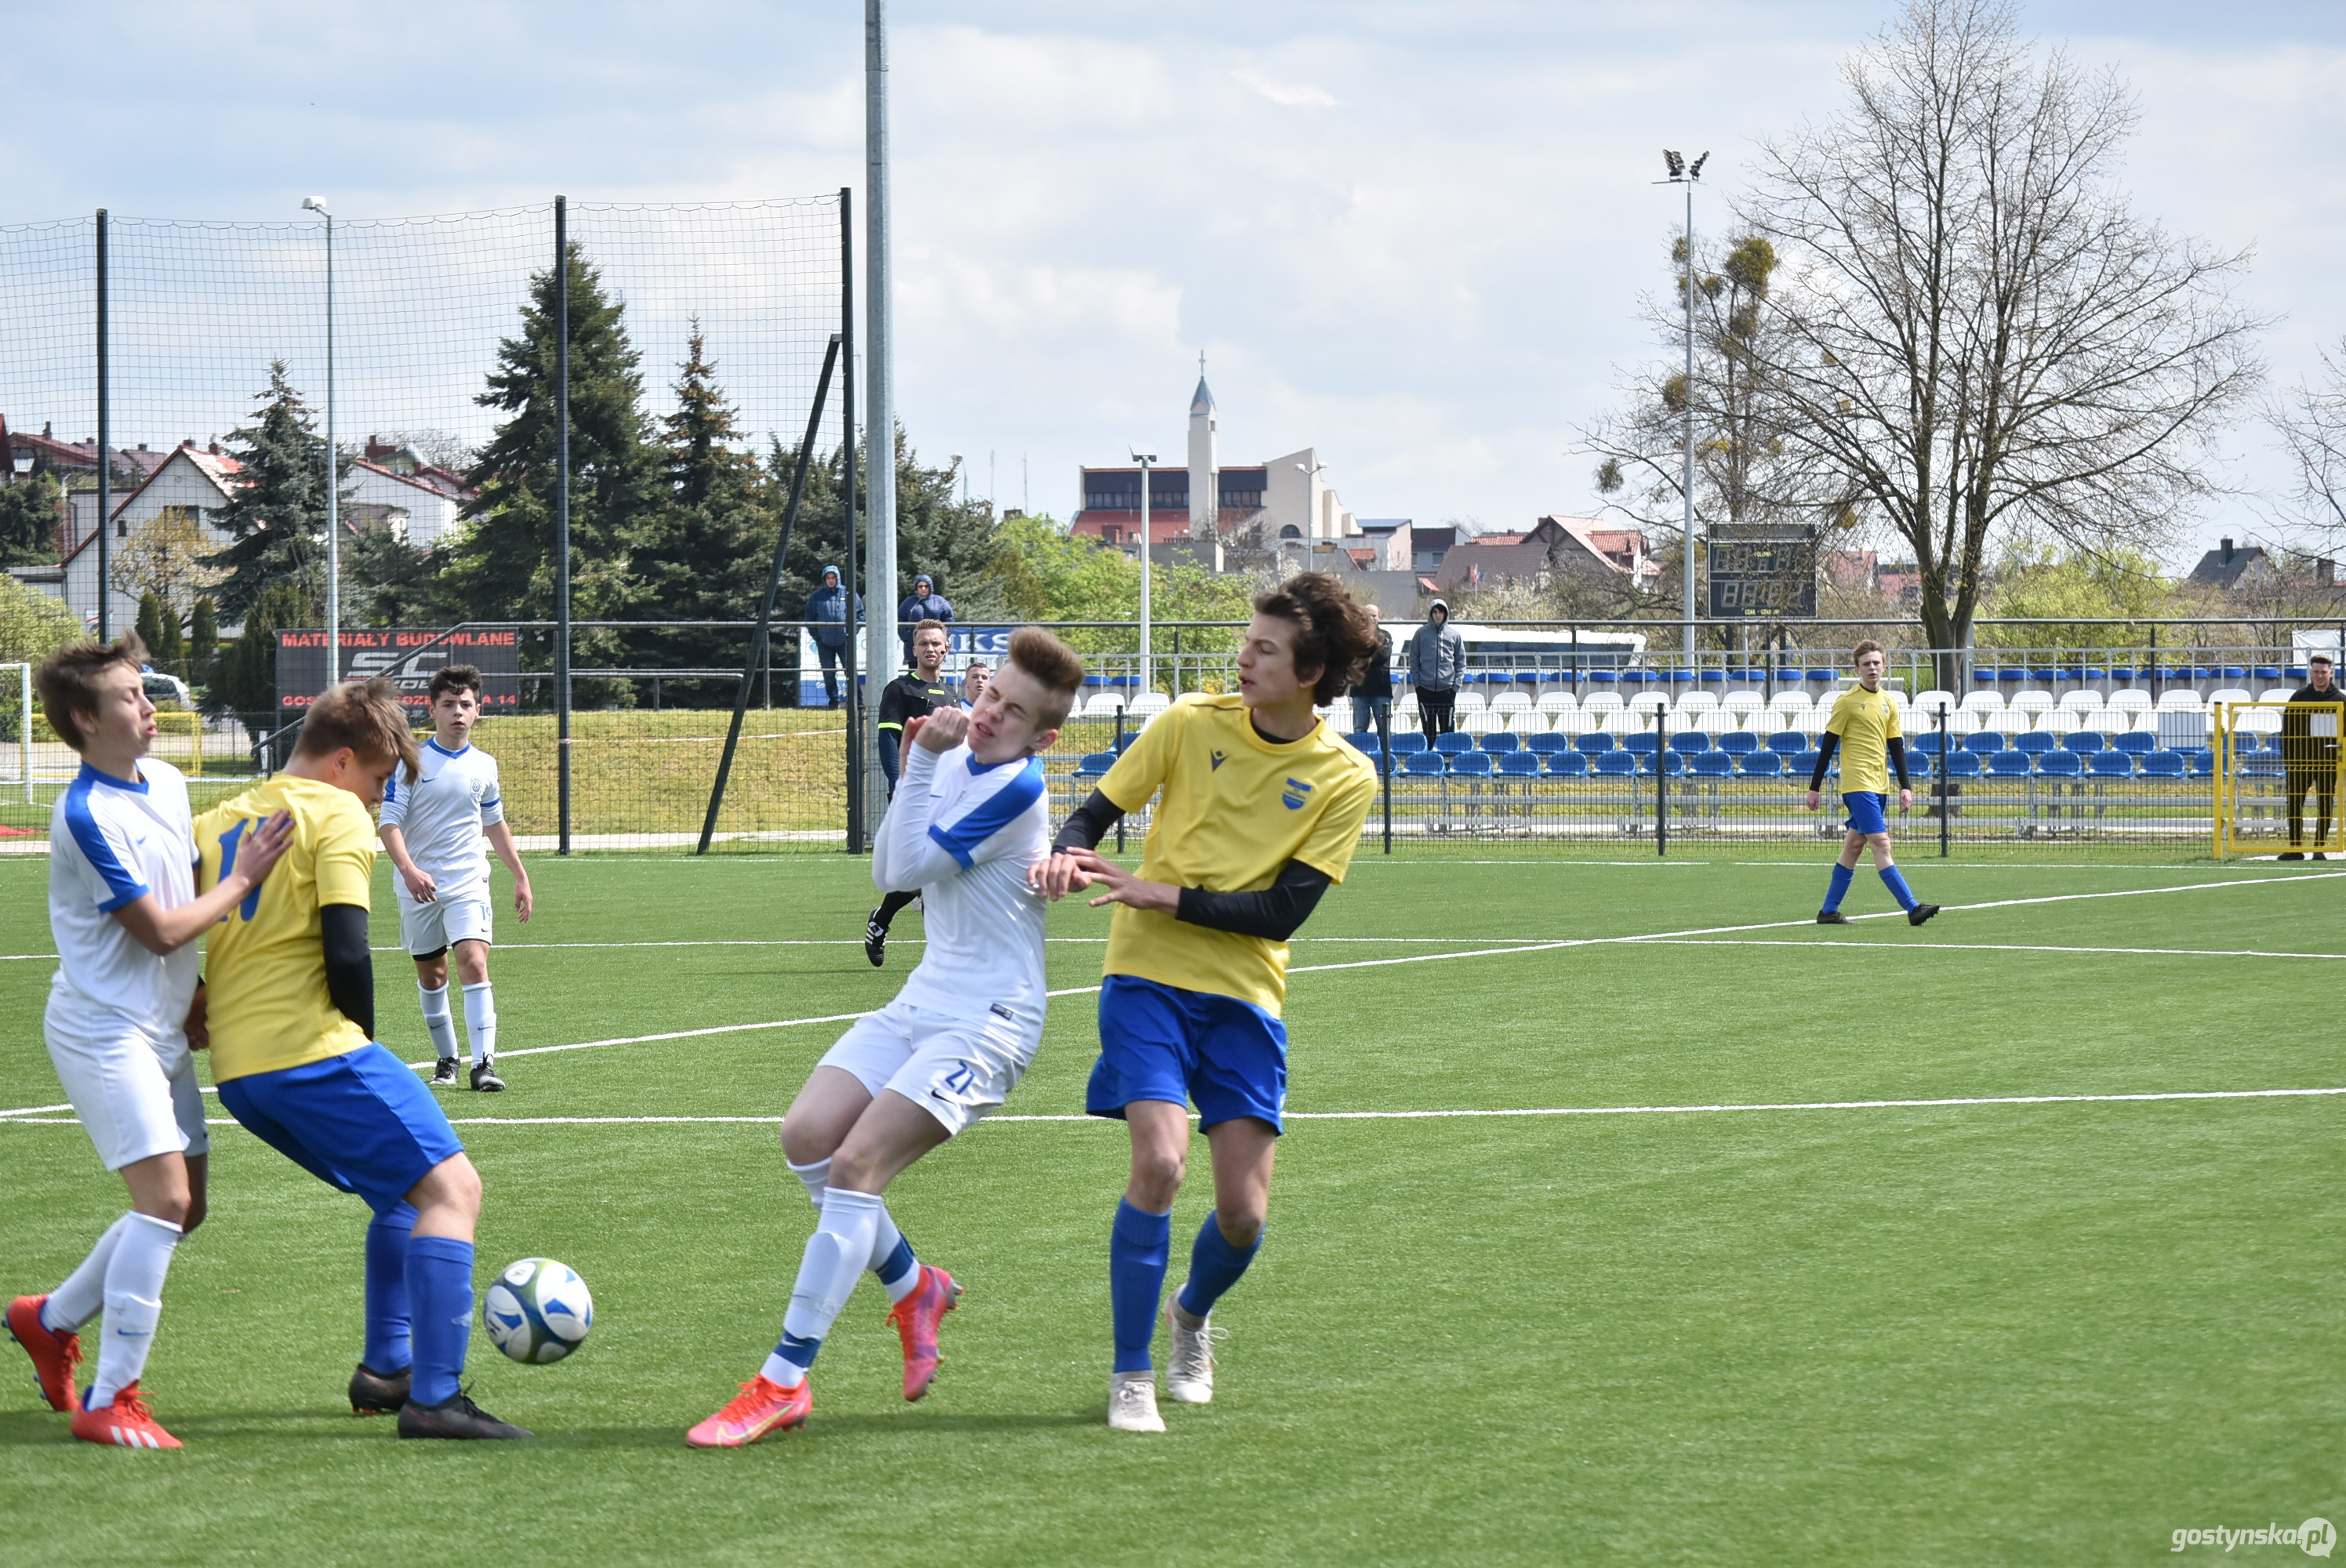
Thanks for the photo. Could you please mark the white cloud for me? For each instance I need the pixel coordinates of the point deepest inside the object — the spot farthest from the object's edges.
(1287, 95)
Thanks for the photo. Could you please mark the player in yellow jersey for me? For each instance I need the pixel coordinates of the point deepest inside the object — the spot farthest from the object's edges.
(288, 1006)
(1263, 806)
(1864, 725)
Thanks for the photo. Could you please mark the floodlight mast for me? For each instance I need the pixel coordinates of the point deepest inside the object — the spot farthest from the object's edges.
(317, 204)
(1688, 175)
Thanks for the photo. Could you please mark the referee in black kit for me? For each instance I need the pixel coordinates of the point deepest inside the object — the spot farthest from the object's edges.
(903, 703)
(2309, 755)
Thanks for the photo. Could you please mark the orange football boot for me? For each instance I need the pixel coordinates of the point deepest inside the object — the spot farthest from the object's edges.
(127, 1423)
(55, 1356)
(760, 1409)
(916, 1317)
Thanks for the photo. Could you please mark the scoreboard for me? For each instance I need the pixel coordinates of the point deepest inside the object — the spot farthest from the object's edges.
(1763, 569)
(410, 656)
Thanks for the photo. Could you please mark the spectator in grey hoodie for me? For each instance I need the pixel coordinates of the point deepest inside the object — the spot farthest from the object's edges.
(827, 609)
(1437, 659)
(922, 604)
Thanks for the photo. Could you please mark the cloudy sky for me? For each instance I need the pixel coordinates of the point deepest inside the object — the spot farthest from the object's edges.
(1410, 234)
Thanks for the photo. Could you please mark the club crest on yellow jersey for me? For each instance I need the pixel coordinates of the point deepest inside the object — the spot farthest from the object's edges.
(1294, 794)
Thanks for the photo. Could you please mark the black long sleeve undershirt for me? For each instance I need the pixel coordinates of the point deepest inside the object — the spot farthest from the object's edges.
(1273, 912)
(1831, 742)
(349, 968)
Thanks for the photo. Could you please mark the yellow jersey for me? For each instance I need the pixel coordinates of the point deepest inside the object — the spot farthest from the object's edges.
(1237, 808)
(265, 964)
(1866, 721)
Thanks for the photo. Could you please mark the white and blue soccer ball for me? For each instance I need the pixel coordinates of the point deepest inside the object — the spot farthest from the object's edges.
(539, 1310)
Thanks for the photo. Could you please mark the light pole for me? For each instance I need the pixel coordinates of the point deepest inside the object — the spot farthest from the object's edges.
(333, 480)
(1147, 681)
(1686, 174)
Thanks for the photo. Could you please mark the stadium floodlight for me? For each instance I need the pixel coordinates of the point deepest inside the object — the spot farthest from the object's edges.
(317, 204)
(1147, 461)
(1688, 175)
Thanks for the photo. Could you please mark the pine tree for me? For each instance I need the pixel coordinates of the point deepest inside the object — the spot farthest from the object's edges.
(504, 565)
(149, 626)
(203, 640)
(277, 518)
(386, 582)
(244, 678)
(705, 555)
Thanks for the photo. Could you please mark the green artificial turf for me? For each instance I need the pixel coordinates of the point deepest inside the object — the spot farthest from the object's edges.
(2030, 1333)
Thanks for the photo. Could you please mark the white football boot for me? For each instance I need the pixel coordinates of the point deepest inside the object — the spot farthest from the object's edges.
(1189, 1358)
(1132, 1403)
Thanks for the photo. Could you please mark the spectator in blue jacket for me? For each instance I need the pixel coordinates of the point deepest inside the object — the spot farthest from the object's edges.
(924, 603)
(827, 609)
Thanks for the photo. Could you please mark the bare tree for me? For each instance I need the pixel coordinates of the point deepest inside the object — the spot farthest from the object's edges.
(1978, 331)
(2312, 421)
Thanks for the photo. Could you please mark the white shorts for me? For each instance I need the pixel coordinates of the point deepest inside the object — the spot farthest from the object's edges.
(956, 1069)
(427, 928)
(136, 1096)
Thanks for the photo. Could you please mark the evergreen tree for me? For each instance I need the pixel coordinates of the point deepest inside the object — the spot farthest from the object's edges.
(149, 626)
(950, 540)
(707, 552)
(386, 582)
(277, 518)
(504, 565)
(244, 678)
(203, 640)
(28, 521)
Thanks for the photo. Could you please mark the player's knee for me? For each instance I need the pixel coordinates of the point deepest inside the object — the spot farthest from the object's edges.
(453, 1183)
(1241, 1224)
(473, 961)
(172, 1205)
(804, 1143)
(1157, 1177)
(194, 1217)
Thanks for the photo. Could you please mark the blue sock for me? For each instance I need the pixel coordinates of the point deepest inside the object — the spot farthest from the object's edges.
(897, 1266)
(1840, 889)
(386, 1289)
(440, 1297)
(1896, 883)
(1138, 1248)
(1214, 1267)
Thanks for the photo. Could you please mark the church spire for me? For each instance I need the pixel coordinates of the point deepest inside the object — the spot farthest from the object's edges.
(1203, 402)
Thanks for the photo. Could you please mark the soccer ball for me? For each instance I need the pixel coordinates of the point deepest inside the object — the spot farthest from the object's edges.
(539, 1310)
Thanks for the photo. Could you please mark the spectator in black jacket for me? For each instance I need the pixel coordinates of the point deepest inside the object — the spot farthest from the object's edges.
(922, 604)
(2308, 756)
(1373, 693)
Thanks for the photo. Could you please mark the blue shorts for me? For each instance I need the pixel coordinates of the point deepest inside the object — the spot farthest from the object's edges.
(1160, 1043)
(1866, 809)
(361, 1121)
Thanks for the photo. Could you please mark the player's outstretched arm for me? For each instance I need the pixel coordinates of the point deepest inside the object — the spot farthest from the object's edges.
(161, 932)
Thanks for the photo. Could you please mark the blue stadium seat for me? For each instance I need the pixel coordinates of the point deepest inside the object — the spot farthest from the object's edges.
(1407, 743)
(2035, 742)
(1594, 745)
(2084, 741)
(1737, 743)
(1567, 764)
(2166, 765)
(1454, 744)
(2061, 765)
(1471, 763)
(1985, 742)
(1420, 763)
(1826, 676)
(1500, 742)
(2010, 764)
(1926, 744)
(1519, 765)
(2203, 765)
(2136, 741)
(1096, 765)
(1616, 765)
(1763, 765)
(1673, 764)
(1640, 742)
(2111, 764)
(1364, 740)
(1784, 742)
(1800, 764)
(1692, 742)
(1962, 765)
(2267, 673)
(1714, 765)
(1547, 744)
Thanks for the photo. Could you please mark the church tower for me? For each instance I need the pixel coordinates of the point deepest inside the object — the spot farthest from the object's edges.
(1204, 480)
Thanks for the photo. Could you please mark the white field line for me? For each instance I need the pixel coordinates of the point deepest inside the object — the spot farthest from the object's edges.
(1986, 947)
(855, 941)
(1919, 1104)
(1653, 937)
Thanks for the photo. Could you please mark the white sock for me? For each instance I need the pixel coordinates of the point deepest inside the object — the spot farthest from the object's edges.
(817, 1176)
(436, 1019)
(481, 1020)
(838, 1250)
(77, 1301)
(134, 1301)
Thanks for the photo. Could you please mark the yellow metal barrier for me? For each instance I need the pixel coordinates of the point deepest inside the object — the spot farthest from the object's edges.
(2271, 761)
(172, 727)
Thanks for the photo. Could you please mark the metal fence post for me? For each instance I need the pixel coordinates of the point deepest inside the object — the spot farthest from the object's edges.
(1119, 751)
(1384, 761)
(105, 452)
(1946, 785)
(1661, 783)
(850, 618)
(562, 522)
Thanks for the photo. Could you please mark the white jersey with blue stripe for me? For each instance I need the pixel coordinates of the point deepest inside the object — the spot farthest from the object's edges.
(454, 795)
(963, 835)
(112, 843)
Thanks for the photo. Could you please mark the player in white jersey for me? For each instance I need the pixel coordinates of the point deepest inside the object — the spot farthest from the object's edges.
(126, 1000)
(969, 818)
(432, 830)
